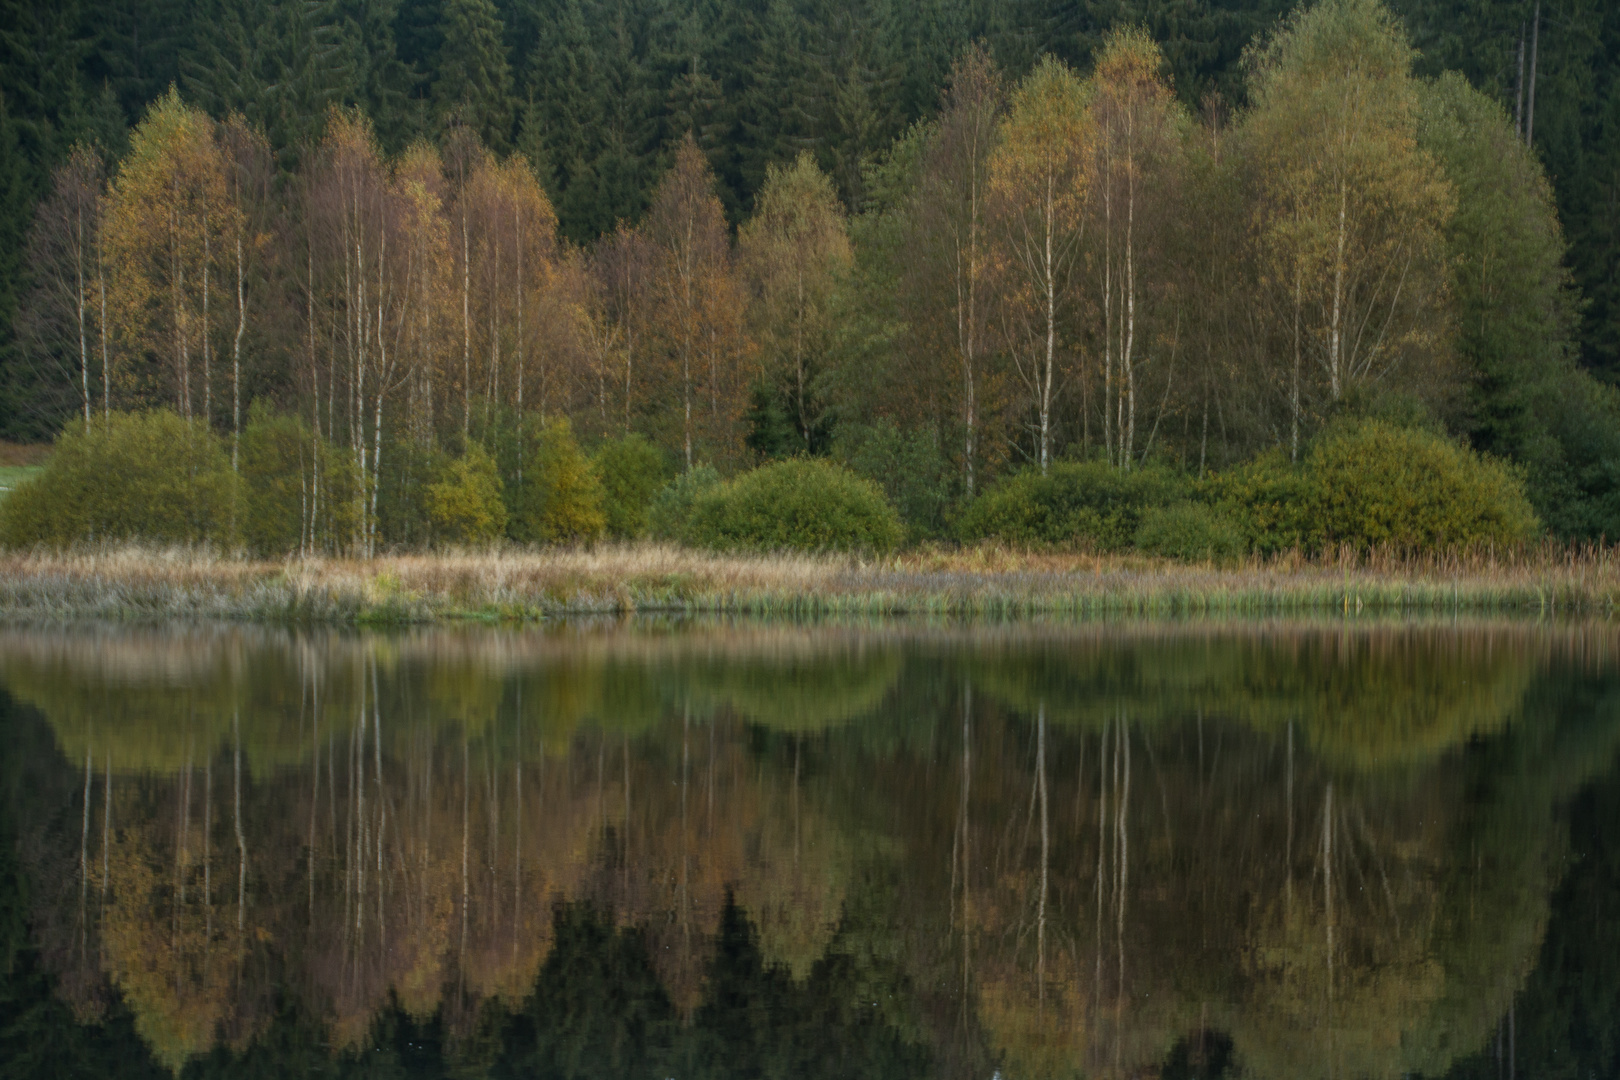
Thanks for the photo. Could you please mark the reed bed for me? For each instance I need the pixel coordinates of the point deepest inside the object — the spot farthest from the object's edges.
(154, 584)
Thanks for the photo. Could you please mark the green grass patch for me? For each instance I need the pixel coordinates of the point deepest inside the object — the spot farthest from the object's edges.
(12, 475)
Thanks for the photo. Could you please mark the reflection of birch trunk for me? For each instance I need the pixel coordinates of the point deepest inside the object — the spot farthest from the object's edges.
(686, 930)
(208, 868)
(967, 791)
(517, 826)
(106, 838)
(241, 837)
(1122, 762)
(84, 845)
(382, 805)
(1102, 846)
(1040, 916)
(1327, 893)
(466, 819)
(626, 820)
(315, 795)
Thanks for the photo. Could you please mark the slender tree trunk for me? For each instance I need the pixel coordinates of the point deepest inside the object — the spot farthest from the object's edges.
(79, 305)
(1128, 351)
(236, 358)
(1293, 441)
(1335, 337)
(207, 330)
(466, 319)
(1530, 110)
(106, 363)
(1518, 90)
(1051, 332)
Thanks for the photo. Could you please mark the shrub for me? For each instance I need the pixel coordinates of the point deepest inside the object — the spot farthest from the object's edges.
(1272, 501)
(1189, 530)
(671, 510)
(558, 495)
(296, 488)
(632, 470)
(465, 502)
(1381, 484)
(133, 476)
(806, 504)
(1090, 503)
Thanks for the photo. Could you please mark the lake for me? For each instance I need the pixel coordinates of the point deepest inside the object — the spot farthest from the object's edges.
(735, 849)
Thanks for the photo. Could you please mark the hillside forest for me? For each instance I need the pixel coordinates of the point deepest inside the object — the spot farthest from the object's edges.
(942, 243)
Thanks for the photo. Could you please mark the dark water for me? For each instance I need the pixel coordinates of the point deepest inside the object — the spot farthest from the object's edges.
(1260, 850)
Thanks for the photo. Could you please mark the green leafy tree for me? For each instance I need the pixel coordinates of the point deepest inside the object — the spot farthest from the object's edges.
(465, 502)
(558, 495)
(632, 470)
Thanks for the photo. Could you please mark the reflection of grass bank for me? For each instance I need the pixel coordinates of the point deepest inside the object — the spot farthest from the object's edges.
(143, 583)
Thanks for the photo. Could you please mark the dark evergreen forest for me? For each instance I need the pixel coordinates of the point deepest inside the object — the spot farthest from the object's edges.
(596, 93)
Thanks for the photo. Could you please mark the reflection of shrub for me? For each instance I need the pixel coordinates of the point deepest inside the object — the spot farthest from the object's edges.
(133, 476)
(465, 502)
(1380, 484)
(560, 497)
(1089, 503)
(805, 503)
(632, 470)
(670, 511)
(1189, 530)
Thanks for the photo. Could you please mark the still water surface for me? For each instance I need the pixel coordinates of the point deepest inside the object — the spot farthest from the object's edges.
(761, 850)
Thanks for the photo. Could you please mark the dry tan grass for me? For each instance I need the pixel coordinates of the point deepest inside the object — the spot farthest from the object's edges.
(15, 454)
(153, 583)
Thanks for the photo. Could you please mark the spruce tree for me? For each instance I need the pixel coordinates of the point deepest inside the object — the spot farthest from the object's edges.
(474, 80)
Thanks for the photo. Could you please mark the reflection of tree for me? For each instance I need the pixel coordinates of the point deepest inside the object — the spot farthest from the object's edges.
(1065, 851)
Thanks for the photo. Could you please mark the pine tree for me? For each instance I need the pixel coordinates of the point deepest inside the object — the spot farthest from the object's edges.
(474, 80)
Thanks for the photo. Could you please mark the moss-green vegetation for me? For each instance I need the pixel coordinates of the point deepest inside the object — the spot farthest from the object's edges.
(146, 475)
(801, 505)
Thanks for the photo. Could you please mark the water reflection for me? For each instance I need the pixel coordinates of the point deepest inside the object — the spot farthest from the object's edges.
(743, 850)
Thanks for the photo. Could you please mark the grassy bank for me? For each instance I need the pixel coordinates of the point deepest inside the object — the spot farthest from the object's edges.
(134, 583)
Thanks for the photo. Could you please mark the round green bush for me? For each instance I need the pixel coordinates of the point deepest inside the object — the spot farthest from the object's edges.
(1272, 501)
(1190, 531)
(805, 504)
(465, 502)
(558, 495)
(632, 471)
(1089, 503)
(131, 476)
(671, 509)
(1378, 484)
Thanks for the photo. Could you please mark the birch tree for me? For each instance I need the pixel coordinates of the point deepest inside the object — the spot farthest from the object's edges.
(1039, 181)
(793, 251)
(1350, 212)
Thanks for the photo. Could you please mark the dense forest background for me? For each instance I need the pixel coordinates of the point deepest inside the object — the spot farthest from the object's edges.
(599, 96)
(596, 93)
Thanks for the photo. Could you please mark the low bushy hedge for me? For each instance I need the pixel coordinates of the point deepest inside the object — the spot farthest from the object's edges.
(803, 504)
(632, 471)
(1374, 484)
(1384, 485)
(131, 476)
(1090, 504)
(1190, 531)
